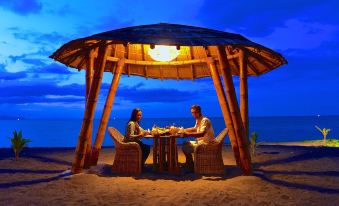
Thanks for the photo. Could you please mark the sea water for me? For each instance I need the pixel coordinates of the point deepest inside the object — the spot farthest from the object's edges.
(64, 133)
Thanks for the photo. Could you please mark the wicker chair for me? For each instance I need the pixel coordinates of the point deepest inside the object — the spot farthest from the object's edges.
(208, 157)
(128, 156)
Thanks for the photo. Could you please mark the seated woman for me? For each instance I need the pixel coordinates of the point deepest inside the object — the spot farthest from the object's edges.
(134, 133)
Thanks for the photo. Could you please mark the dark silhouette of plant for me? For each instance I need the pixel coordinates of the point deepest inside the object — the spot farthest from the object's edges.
(254, 144)
(18, 143)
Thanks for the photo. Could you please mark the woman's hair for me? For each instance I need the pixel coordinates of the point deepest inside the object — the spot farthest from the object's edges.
(134, 114)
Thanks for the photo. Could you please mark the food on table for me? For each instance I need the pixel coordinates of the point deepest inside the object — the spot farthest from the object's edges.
(167, 130)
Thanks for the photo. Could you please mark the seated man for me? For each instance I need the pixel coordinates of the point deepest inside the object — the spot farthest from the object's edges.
(202, 131)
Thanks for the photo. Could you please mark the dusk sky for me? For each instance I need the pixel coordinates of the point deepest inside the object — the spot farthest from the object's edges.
(32, 85)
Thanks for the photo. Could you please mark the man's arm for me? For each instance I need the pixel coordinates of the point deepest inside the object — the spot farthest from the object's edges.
(195, 134)
(191, 129)
(204, 125)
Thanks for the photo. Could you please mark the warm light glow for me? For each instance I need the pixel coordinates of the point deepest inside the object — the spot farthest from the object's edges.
(163, 53)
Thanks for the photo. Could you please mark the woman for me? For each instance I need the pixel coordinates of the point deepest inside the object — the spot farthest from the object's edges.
(134, 133)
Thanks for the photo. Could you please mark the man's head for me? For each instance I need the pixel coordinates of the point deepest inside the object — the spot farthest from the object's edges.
(196, 111)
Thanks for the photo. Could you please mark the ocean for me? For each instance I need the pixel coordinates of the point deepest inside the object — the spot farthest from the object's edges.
(64, 133)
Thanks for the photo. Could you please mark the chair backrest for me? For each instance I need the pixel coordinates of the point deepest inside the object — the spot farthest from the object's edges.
(222, 135)
(116, 135)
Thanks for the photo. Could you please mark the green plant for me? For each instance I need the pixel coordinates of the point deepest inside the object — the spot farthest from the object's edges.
(254, 144)
(18, 143)
(324, 132)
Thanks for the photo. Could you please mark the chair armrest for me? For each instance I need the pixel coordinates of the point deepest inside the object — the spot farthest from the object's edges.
(129, 146)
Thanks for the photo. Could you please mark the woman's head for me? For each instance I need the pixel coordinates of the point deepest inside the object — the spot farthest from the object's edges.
(136, 115)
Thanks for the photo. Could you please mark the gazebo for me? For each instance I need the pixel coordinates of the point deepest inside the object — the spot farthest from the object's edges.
(167, 51)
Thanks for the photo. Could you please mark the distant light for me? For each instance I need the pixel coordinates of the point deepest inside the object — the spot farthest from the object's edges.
(163, 53)
(18, 119)
(318, 115)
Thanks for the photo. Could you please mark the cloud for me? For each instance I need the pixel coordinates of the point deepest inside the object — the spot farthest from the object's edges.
(295, 34)
(259, 18)
(12, 76)
(4, 75)
(41, 99)
(141, 95)
(39, 38)
(22, 7)
(30, 89)
(53, 69)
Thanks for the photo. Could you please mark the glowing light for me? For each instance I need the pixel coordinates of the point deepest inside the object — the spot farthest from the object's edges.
(163, 53)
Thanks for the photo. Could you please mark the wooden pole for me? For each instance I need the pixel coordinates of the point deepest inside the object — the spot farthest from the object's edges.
(245, 158)
(243, 91)
(224, 108)
(89, 77)
(106, 113)
(100, 64)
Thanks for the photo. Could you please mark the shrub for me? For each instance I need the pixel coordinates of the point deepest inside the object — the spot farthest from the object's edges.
(254, 144)
(18, 143)
(324, 132)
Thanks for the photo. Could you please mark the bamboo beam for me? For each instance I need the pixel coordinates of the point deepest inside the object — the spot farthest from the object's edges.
(89, 77)
(244, 91)
(127, 54)
(100, 64)
(192, 65)
(106, 113)
(245, 158)
(224, 108)
(155, 63)
(143, 59)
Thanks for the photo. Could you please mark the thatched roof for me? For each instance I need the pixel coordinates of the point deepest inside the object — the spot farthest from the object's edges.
(191, 40)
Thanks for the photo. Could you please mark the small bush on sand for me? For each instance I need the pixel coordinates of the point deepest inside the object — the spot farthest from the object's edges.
(254, 144)
(18, 143)
(324, 132)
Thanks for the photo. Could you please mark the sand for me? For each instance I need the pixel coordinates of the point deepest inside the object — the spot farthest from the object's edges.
(284, 175)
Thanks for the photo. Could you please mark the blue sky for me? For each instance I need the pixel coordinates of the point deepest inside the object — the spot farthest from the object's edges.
(34, 86)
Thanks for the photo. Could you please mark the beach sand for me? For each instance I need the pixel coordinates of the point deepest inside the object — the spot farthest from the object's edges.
(284, 175)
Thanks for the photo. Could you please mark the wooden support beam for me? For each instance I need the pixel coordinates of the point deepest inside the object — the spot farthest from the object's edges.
(100, 64)
(245, 158)
(171, 63)
(143, 51)
(243, 91)
(192, 65)
(89, 77)
(106, 112)
(224, 108)
(155, 63)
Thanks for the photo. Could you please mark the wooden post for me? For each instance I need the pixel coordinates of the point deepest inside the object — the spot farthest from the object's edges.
(245, 158)
(89, 77)
(224, 108)
(106, 112)
(244, 91)
(100, 64)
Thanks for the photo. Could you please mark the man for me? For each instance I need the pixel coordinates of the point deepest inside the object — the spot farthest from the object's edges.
(202, 131)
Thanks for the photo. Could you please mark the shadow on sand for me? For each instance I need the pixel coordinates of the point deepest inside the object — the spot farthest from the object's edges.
(104, 170)
(304, 153)
(35, 181)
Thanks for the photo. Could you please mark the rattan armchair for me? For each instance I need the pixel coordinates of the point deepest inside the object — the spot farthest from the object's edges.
(128, 155)
(208, 157)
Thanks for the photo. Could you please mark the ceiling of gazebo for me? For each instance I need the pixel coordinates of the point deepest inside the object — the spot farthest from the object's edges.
(192, 42)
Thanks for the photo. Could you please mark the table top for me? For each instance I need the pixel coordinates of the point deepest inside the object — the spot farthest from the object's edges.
(163, 136)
